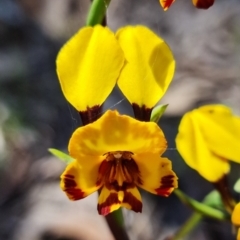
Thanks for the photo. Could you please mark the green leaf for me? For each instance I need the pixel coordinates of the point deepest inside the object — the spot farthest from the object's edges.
(214, 199)
(157, 112)
(61, 155)
(237, 186)
(202, 207)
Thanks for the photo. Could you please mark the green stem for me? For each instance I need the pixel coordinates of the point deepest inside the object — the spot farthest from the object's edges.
(206, 208)
(97, 12)
(116, 224)
(227, 198)
(188, 226)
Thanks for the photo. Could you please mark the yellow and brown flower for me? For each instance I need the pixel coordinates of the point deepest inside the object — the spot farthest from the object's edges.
(115, 155)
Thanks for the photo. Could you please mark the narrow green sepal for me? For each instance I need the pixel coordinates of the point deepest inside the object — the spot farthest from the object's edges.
(237, 186)
(61, 155)
(202, 208)
(157, 112)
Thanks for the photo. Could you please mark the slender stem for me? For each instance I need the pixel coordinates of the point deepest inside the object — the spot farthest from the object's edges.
(222, 187)
(188, 226)
(97, 12)
(116, 225)
(204, 209)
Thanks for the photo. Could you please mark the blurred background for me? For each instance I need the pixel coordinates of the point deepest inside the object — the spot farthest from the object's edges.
(35, 116)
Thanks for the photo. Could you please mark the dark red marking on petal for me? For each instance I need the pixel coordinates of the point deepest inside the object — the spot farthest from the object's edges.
(105, 207)
(109, 170)
(70, 187)
(91, 114)
(142, 113)
(115, 186)
(69, 183)
(166, 186)
(204, 4)
(75, 193)
(163, 191)
(69, 176)
(136, 205)
(168, 180)
(104, 172)
(167, 4)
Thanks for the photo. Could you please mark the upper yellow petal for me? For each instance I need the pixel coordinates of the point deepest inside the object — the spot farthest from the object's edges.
(115, 132)
(88, 66)
(149, 68)
(236, 215)
(221, 130)
(195, 150)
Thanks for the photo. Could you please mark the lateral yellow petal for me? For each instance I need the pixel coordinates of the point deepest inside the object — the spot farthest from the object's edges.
(156, 174)
(79, 181)
(149, 68)
(88, 66)
(221, 130)
(195, 151)
(115, 132)
(236, 215)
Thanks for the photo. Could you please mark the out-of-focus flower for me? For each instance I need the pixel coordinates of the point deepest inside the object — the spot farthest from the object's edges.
(208, 137)
(202, 4)
(148, 71)
(115, 155)
(236, 218)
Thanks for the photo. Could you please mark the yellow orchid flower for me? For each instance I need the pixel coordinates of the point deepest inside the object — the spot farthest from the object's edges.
(115, 155)
(202, 4)
(207, 138)
(236, 218)
(148, 71)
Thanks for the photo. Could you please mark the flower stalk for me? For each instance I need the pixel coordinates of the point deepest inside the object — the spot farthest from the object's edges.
(115, 222)
(97, 12)
(227, 199)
